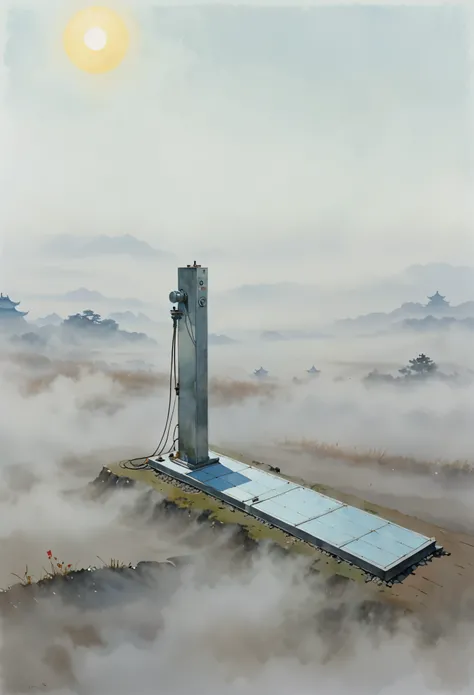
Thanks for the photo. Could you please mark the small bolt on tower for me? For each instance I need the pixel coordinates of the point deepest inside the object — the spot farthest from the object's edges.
(189, 315)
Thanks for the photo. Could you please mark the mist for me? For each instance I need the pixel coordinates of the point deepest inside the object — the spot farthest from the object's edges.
(322, 150)
(262, 622)
(232, 132)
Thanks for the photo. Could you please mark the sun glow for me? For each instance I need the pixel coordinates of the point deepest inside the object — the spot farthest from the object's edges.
(96, 40)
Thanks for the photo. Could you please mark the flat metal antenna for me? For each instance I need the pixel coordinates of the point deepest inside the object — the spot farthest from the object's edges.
(193, 399)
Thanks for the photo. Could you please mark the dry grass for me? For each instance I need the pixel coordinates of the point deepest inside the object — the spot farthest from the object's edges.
(131, 382)
(38, 374)
(228, 391)
(114, 564)
(59, 568)
(366, 457)
(56, 568)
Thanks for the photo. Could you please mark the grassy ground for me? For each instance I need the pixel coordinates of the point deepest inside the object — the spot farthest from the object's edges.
(199, 502)
(440, 585)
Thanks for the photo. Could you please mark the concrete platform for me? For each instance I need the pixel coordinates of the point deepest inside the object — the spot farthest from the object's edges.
(379, 547)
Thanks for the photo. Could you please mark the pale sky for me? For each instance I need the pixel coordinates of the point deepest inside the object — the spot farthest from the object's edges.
(331, 142)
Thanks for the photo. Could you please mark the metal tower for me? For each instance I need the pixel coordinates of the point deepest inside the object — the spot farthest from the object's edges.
(192, 332)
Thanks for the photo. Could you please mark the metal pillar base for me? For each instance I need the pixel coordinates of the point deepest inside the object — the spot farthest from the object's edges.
(210, 461)
(197, 466)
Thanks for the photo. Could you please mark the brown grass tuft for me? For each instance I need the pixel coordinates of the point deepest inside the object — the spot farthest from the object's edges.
(356, 456)
(227, 391)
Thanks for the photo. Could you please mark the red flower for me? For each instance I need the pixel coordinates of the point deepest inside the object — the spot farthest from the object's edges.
(49, 554)
(69, 566)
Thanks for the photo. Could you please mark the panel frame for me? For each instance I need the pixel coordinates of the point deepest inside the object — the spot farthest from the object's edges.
(198, 479)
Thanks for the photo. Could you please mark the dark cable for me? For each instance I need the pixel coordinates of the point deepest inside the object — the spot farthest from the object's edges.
(174, 442)
(189, 326)
(170, 394)
(132, 464)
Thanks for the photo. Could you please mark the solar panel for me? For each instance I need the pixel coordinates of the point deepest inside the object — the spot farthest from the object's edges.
(376, 545)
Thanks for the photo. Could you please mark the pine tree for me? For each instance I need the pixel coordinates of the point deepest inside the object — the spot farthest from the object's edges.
(420, 366)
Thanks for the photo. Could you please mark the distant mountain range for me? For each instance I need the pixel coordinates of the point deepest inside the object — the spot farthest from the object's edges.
(412, 284)
(415, 284)
(50, 320)
(131, 319)
(218, 339)
(307, 302)
(290, 309)
(433, 324)
(78, 246)
(90, 299)
(414, 316)
(82, 295)
(278, 336)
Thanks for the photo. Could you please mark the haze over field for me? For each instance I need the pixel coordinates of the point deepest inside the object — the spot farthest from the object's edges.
(58, 434)
(268, 143)
(318, 160)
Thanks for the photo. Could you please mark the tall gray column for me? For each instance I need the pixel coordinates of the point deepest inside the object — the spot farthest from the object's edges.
(191, 300)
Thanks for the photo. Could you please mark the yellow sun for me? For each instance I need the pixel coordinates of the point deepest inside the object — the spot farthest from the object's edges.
(96, 40)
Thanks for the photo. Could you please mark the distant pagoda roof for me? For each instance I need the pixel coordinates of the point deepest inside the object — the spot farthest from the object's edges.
(6, 302)
(437, 298)
(8, 306)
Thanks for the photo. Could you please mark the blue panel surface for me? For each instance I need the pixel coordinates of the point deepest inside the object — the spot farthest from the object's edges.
(379, 557)
(308, 503)
(287, 515)
(216, 470)
(365, 539)
(249, 484)
(225, 466)
(276, 494)
(356, 519)
(408, 539)
(343, 525)
(208, 473)
(381, 545)
(335, 534)
(227, 483)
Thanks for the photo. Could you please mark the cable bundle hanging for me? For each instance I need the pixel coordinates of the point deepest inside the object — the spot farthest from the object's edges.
(189, 326)
(131, 464)
(173, 385)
